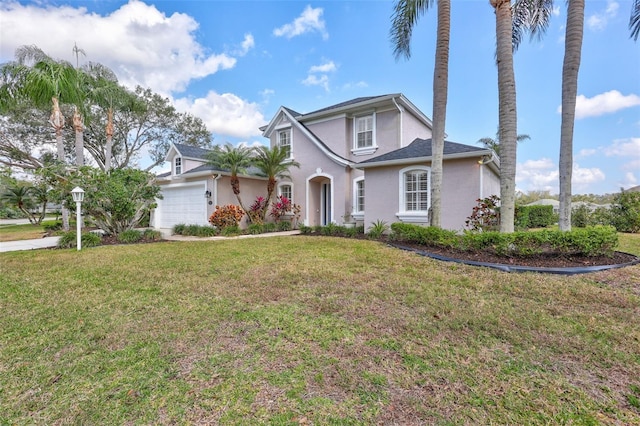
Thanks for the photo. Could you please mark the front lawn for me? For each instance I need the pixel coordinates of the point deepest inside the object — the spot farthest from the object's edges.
(310, 330)
(23, 232)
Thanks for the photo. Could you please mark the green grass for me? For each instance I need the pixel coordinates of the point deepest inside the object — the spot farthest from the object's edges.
(294, 330)
(22, 232)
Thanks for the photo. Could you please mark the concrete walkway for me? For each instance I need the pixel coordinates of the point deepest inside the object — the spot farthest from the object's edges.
(40, 243)
(49, 242)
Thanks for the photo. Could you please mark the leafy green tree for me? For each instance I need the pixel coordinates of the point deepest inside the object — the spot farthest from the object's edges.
(272, 163)
(116, 201)
(405, 16)
(235, 160)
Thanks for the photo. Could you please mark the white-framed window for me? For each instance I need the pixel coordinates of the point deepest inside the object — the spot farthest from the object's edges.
(177, 165)
(286, 190)
(358, 196)
(415, 194)
(364, 134)
(284, 141)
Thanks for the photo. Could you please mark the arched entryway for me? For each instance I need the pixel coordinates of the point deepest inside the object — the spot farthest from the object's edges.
(319, 200)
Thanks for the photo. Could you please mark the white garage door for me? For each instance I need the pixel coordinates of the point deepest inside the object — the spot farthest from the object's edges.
(183, 204)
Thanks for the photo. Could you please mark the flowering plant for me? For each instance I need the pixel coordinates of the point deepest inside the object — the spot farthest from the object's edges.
(256, 210)
(281, 207)
(226, 216)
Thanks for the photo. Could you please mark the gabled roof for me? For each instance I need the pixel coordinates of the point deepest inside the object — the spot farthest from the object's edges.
(420, 150)
(188, 151)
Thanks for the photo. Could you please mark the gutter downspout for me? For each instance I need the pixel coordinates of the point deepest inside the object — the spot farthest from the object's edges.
(215, 177)
(400, 110)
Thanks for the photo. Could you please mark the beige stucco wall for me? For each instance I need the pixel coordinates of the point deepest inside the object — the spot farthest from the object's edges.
(460, 189)
(413, 128)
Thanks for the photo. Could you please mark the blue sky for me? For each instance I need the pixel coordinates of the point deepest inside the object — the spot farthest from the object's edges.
(234, 63)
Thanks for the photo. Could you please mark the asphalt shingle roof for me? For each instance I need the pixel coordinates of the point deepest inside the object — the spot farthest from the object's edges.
(192, 151)
(422, 148)
(346, 103)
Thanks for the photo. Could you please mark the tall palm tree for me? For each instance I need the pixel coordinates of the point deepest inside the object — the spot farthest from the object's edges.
(405, 16)
(235, 160)
(570, 67)
(273, 163)
(634, 20)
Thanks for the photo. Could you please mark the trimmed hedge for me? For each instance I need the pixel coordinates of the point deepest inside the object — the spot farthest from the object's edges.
(534, 216)
(591, 241)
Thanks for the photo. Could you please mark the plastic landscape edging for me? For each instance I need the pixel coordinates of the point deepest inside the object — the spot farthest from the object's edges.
(520, 268)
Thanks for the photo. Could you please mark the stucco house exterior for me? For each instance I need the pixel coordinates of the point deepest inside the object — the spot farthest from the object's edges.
(365, 159)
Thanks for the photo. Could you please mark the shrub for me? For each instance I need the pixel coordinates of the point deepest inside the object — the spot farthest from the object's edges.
(152, 235)
(306, 230)
(285, 225)
(486, 215)
(424, 235)
(226, 216)
(88, 239)
(55, 226)
(377, 229)
(256, 211)
(581, 216)
(230, 231)
(540, 216)
(255, 229)
(129, 237)
(194, 230)
(269, 227)
(625, 212)
(179, 229)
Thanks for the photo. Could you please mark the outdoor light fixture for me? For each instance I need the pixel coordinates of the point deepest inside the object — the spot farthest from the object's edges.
(207, 194)
(78, 197)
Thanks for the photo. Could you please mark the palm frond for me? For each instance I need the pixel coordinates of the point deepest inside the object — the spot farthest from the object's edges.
(405, 16)
(532, 17)
(634, 20)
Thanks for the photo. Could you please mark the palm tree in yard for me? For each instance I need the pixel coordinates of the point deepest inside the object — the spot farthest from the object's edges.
(273, 163)
(570, 67)
(235, 160)
(494, 144)
(511, 21)
(405, 16)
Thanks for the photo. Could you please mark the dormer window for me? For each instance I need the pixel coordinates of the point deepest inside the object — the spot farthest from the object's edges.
(364, 134)
(177, 165)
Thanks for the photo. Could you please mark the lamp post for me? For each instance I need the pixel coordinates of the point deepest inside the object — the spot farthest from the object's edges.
(78, 196)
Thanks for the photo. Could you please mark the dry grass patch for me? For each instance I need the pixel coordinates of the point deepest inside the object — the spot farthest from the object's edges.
(309, 330)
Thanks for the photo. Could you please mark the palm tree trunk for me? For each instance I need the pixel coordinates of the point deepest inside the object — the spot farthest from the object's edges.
(79, 128)
(271, 187)
(570, 68)
(507, 116)
(440, 89)
(108, 147)
(57, 122)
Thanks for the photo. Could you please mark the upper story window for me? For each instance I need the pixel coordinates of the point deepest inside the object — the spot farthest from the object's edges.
(364, 137)
(284, 141)
(177, 166)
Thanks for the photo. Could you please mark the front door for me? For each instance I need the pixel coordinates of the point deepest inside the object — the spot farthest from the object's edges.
(325, 204)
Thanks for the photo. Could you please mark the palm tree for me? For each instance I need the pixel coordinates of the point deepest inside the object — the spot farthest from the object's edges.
(406, 14)
(511, 22)
(235, 160)
(634, 20)
(494, 144)
(273, 163)
(22, 197)
(570, 67)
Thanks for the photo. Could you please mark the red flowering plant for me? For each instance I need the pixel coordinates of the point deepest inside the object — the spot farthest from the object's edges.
(284, 207)
(256, 210)
(226, 216)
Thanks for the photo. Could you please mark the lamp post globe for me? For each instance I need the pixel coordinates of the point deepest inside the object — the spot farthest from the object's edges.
(78, 196)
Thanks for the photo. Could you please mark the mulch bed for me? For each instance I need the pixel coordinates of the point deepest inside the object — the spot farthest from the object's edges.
(554, 260)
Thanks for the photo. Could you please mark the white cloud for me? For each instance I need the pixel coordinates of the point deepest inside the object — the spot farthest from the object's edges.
(626, 148)
(329, 66)
(629, 181)
(309, 21)
(314, 80)
(247, 44)
(543, 175)
(587, 152)
(142, 45)
(604, 103)
(599, 21)
(225, 114)
(356, 85)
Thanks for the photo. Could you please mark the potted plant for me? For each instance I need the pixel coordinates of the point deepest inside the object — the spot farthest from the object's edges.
(348, 221)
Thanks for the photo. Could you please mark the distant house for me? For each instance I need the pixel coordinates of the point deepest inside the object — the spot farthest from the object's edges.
(365, 159)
